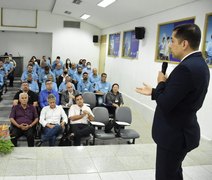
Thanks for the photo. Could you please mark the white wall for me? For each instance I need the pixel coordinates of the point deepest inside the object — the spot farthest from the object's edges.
(66, 42)
(132, 73)
(26, 44)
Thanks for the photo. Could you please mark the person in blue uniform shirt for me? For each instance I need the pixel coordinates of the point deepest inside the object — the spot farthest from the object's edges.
(54, 85)
(44, 75)
(102, 87)
(29, 70)
(94, 78)
(43, 96)
(77, 76)
(175, 128)
(84, 85)
(72, 70)
(33, 85)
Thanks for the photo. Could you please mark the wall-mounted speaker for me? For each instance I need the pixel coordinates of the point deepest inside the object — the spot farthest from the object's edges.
(95, 38)
(139, 32)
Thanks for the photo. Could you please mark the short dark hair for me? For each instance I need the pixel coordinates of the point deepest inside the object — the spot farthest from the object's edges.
(84, 73)
(189, 32)
(78, 96)
(103, 74)
(115, 84)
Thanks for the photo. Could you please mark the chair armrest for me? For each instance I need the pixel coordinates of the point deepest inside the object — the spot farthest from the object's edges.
(95, 123)
(120, 123)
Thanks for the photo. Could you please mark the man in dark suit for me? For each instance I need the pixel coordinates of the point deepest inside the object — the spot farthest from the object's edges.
(175, 128)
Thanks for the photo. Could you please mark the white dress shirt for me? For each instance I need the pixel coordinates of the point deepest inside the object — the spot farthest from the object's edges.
(49, 115)
(76, 110)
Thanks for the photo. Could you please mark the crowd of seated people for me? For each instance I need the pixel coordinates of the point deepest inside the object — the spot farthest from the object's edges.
(49, 86)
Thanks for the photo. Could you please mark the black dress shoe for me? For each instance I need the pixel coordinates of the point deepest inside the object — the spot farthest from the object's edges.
(39, 143)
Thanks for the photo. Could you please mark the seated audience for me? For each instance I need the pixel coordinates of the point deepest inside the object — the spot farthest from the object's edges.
(33, 85)
(9, 69)
(102, 87)
(94, 78)
(114, 99)
(32, 96)
(77, 76)
(72, 70)
(80, 115)
(53, 119)
(43, 96)
(54, 85)
(23, 118)
(58, 71)
(62, 86)
(29, 70)
(43, 76)
(84, 85)
(57, 61)
(68, 96)
(88, 68)
(67, 64)
(62, 77)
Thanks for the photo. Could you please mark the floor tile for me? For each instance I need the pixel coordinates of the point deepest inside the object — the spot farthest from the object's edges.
(115, 175)
(54, 177)
(92, 176)
(20, 178)
(80, 165)
(142, 174)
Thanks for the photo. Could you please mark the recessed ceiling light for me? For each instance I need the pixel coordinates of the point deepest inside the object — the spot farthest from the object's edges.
(105, 3)
(77, 1)
(67, 12)
(85, 16)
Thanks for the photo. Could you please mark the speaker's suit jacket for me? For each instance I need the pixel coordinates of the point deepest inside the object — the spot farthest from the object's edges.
(175, 125)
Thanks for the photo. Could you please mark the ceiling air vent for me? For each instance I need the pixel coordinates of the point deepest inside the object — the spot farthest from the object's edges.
(77, 1)
(71, 24)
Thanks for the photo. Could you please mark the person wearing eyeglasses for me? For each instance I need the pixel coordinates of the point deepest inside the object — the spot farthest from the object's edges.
(80, 115)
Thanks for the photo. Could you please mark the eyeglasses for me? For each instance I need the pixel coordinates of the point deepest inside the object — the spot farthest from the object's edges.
(80, 111)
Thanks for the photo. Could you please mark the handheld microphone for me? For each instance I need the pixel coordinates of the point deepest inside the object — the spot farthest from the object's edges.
(164, 67)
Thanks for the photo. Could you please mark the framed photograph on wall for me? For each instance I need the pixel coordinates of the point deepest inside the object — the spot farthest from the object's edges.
(130, 45)
(207, 39)
(164, 39)
(114, 44)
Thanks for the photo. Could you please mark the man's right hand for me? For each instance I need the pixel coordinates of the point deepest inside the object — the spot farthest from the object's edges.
(145, 90)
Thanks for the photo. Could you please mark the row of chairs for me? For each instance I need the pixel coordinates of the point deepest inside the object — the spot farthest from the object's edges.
(123, 118)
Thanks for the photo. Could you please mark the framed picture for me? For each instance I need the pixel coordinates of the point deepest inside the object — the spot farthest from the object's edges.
(164, 39)
(207, 39)
(130, 45)
(113, 45)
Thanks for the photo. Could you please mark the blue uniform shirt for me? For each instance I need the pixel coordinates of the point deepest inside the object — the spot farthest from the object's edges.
(33, 86)
(84, 86)
(54, 86)
(43, 97)
(1, 80)
(25, 75)
(104, 87)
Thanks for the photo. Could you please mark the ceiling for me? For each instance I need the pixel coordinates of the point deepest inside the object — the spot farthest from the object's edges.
(121, 11)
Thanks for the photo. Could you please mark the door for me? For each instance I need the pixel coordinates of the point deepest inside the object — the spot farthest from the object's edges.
(102, 53)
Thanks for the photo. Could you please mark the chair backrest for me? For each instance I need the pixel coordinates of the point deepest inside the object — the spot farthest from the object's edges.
(89, 98)
(101, 114)
(123, 114)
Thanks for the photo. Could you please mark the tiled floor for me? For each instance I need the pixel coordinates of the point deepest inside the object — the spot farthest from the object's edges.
(110, 160)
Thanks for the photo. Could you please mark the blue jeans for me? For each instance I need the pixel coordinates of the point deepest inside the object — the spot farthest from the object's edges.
(51, 134)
